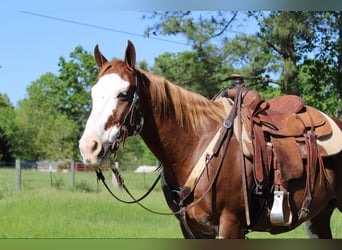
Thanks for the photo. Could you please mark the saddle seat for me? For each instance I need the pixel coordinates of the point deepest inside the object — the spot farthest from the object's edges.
(285, 116)
(288, 116)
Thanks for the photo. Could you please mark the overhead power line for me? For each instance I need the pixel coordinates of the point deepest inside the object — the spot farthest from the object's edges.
(98, 27)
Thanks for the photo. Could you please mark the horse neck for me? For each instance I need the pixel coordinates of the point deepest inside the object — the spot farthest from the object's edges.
(177, 147)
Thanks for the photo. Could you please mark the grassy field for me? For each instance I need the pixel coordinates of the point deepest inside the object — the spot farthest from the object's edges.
(48, 207)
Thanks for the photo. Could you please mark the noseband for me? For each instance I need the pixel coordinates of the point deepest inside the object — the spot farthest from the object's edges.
(133, 121)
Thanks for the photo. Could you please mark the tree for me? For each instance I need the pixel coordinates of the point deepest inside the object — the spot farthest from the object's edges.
(42, 131)
(310, 44)
(283, 45)
(6, 116)
(288, 34)
(76, 76)
(203, 69)
(201, 74)
(216, 54)
(339, 72)
(315, 89)
(329, 51)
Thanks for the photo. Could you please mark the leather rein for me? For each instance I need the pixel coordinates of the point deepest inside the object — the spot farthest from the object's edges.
(133, 123)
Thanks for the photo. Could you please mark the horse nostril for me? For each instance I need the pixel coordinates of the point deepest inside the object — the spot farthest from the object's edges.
(90, 147)
(94, 146)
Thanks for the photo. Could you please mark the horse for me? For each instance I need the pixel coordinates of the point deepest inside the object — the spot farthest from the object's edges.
(178, 126)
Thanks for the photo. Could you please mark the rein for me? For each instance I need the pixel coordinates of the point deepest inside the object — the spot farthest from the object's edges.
(101, 177)
(134, 120)
(134, 200)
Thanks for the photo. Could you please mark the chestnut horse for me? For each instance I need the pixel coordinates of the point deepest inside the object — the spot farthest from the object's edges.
(177, 125)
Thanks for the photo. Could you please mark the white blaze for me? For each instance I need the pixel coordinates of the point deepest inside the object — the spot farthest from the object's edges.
(104, 100)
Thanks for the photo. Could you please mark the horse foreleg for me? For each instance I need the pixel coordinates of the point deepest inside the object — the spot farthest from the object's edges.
(230, 227)
(319, 226)
(195, 234)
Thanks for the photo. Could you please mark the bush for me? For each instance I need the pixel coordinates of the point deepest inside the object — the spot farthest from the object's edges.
(84, 186)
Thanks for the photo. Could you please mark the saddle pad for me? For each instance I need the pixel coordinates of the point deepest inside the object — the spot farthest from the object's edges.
(332, 143)
(247, 146)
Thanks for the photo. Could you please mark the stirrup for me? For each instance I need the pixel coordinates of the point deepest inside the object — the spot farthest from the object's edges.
(281, 214)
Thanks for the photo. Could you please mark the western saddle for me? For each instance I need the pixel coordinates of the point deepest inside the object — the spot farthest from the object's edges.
(283, 135)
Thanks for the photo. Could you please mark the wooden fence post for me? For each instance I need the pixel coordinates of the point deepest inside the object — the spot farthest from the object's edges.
(72, 174)
(18, 174)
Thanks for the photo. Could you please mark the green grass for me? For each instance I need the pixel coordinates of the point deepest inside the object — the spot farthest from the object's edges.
(42, 210)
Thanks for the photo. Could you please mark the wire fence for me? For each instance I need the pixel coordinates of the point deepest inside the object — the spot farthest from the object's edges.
(48, 165)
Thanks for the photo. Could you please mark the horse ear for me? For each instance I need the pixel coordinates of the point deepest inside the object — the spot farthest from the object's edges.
(130, 55)
(99, 58)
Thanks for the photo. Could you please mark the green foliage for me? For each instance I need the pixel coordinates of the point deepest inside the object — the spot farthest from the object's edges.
(42, 134)
(84, 186)
(48, 123)
(6, 117)
(282, 46)
(317, 80)
(76, 76)
(201, 74)
(42, 131)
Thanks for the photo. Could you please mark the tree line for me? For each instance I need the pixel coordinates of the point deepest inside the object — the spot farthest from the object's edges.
(302, 49)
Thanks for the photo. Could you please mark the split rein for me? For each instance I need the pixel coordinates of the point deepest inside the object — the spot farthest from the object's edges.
(182, 210)
(101, 177)
(133, 120)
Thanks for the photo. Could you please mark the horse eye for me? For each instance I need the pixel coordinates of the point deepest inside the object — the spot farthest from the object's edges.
(123, 96)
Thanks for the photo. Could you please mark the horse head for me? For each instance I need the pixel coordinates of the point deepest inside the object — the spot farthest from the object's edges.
(115, 112)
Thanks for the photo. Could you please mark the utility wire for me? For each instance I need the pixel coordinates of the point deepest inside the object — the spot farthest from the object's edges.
(98, 27)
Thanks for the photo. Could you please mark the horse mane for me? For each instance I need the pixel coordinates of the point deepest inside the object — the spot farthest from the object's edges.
(189, 109)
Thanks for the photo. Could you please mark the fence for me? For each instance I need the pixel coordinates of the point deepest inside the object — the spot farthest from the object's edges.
(68, 166)
(48, 166)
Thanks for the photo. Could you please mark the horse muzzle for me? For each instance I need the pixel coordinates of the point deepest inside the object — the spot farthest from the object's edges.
(90, 148)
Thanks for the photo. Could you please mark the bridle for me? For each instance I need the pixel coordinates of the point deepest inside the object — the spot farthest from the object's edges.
(132, 123)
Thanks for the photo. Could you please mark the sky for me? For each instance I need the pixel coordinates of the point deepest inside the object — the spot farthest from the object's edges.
(35, 33)
(32, 41)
